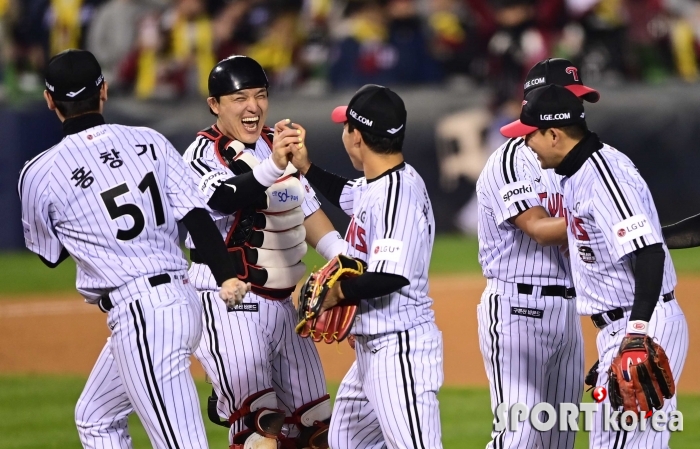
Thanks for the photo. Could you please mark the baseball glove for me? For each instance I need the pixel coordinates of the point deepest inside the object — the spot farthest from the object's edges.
(333, 324)
(640, 376)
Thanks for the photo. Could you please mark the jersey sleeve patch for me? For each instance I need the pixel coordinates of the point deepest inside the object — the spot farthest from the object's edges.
(632, 228)
(386, 249)
(212, 180)
(517, 191)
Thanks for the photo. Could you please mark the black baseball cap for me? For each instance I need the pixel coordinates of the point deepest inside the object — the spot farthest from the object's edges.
(73, 75)
(546, 107)
(562, 72)
(375, 109)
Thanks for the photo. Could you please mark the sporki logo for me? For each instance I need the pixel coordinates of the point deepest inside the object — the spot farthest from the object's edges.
(518, 191)
(544, 416)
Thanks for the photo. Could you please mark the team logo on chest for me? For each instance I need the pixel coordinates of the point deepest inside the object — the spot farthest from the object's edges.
(586, 254)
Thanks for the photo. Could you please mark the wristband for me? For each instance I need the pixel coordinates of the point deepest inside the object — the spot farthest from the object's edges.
(638, 327)
(331, 245)
(266, 173)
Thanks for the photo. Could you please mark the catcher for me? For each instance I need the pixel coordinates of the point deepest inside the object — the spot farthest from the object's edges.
(389, 396)
(622, 270)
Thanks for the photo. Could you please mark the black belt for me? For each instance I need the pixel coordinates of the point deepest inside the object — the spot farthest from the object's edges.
(105, 304)
(548, 290)
(617, 314)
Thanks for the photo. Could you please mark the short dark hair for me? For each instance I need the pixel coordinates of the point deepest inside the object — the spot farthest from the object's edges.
(70, 109)
(379, 144)
(576, 132)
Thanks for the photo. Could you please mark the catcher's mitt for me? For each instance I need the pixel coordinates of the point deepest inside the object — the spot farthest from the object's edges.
(640, 376)
(334, 324)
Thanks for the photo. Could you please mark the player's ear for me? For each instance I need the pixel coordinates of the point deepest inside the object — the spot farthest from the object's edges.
(103, 91)
(49, 101)
(555, 136)
(356, 138)
(213, 105)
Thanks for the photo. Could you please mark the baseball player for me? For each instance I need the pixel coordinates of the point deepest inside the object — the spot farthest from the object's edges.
(389, 396)
(622, 271)
(110, 196)
(529, 288)
(263, 373)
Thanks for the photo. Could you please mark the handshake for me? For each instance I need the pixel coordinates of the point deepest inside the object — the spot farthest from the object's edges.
(288, 146)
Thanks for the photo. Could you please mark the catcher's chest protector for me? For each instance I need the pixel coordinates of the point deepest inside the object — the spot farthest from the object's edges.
(267, 240)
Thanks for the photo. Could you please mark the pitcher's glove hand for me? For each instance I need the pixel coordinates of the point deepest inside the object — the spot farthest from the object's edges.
(333, 324)
(640, 376)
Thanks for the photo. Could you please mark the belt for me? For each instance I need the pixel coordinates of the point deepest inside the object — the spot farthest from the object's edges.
(618, 313)
(105, 304)
(548, 290)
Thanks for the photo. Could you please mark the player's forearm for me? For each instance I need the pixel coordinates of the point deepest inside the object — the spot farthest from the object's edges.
(550, 231)
(63, 256)
(329, 184)
(648, 278)
(684, 234)
(322, 236)
(209, 243)
(372, 285)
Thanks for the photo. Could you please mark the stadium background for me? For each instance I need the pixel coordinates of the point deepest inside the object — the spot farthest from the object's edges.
(458, 64)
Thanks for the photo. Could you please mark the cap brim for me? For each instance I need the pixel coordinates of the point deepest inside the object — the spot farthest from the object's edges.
(584, 92)
(517, 129)
(339, 114)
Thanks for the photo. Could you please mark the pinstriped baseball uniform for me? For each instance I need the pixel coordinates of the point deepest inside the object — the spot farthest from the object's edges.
(111, 195)
(531, 342)
(388, 398)
(254, 347)
(610, 214)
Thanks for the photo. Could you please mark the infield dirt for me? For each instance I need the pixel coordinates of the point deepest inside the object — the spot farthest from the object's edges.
(62, 335)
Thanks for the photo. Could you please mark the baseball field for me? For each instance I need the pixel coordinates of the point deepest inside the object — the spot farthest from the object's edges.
(49, 340)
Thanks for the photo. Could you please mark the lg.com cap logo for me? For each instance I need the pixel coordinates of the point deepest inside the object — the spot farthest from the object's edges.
(544, 417)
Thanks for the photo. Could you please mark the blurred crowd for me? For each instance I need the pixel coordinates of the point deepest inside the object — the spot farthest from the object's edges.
(164, 49)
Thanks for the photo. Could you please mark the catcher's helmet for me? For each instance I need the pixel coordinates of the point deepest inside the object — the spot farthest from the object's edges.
(236, 73)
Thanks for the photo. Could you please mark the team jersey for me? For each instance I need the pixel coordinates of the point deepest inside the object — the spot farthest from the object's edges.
(511, 182)
(209, 172)
(111, 195)
(610, 214)
(392, 229)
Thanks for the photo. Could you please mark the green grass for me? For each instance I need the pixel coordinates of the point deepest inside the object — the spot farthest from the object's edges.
(23, 273)
(37, 411)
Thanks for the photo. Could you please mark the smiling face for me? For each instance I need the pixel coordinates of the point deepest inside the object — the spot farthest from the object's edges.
(241, 114)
